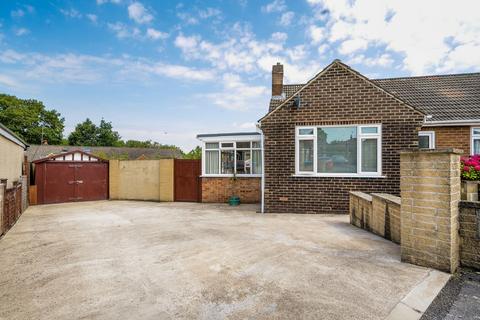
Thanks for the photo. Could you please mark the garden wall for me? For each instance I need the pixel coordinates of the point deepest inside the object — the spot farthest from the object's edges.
(141, 180)
(470, 234)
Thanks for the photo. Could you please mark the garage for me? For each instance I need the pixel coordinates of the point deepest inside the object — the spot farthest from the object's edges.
(71, 176)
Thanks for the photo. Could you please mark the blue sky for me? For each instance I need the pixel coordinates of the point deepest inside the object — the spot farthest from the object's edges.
(167, 70)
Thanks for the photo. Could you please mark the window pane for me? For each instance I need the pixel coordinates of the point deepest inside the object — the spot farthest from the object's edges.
(369, 155)
(211, 162)
(244, 162)
(211, 145)
(337, 150)
(424, 142)
(255, 144)
(256, 161)
(227, 145)
(476, 130)
(303, 132)
(227, 161)
(369, 130)
(476, 146)
(305, 155)
(244, 145)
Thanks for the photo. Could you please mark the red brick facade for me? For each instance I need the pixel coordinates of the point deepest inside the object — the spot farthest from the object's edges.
(452, 137)
(218, 190)
(338, 96)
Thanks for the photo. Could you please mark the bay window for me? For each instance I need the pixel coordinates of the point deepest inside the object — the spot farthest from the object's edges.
(348, 150)
(226, 158)
(475, 140)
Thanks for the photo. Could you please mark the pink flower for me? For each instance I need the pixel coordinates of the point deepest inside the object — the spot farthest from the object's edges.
(466, 168)
(477, 167)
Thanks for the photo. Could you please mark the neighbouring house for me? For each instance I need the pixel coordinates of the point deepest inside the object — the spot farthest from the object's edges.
(36, 152)
(343, 132)
(12, 156)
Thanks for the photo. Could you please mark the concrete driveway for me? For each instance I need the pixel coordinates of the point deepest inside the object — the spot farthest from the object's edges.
(145, 260)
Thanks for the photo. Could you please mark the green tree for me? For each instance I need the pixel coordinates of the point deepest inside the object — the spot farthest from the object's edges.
(106, 137)
(85, 134)
(194, 154)
(30, 120)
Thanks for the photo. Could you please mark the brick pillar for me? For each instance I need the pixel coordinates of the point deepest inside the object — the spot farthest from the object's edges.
(430, 192)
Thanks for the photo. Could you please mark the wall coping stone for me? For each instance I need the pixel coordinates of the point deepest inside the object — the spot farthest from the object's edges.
(469, 204)
(433, 151)
(362, 195)
(388, 197)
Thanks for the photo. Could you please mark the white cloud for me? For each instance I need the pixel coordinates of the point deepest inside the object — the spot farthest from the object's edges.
(275, 6)
(430, 35)
(71, 13)
(279, 36)
(138, 13)
(17, 13)
(209, 12)
(317, 34)
(122, 31)
(286, 18)
(21, 31)
(245, 125)
(100, 2)
(92, 17)
(8, 81)
(156, 34)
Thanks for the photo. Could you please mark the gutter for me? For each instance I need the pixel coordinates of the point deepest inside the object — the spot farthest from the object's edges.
(262, 180)
(472, 122)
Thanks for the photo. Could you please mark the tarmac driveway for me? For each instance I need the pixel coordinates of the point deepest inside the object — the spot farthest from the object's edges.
(146, 260)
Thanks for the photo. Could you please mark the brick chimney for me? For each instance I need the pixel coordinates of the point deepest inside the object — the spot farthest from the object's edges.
(277, 80)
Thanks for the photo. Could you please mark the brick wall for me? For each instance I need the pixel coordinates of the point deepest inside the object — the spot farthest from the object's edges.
(430, 192)
(2, 203)
(470, 234)
(336, 97)
(451, 137)
(378, 213)
(219, 190)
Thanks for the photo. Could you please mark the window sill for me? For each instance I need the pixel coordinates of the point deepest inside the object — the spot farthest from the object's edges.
(230, 176)
(340, 175)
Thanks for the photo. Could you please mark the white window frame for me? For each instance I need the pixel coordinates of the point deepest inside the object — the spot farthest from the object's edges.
(234, 148)
(473, 138)
(431, 138)
(360, 136)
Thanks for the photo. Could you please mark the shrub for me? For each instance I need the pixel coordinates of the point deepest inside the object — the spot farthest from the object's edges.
(470, 167)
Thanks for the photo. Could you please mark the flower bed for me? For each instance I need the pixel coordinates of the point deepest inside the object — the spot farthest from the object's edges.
(470, 168)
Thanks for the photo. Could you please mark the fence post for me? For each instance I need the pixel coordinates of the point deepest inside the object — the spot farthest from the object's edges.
(2, 206)
(430, 192)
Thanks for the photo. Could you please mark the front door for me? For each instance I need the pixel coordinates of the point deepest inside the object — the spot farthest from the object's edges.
(187, 180)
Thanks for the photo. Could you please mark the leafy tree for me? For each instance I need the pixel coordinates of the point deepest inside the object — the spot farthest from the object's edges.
(88, 134)
(30, 120)
(194, 154)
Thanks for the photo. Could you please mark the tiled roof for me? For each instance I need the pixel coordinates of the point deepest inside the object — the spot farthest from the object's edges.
(36, 152)
(445, 98)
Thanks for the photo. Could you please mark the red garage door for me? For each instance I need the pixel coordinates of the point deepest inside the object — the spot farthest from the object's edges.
(73, 176)
(187, 185)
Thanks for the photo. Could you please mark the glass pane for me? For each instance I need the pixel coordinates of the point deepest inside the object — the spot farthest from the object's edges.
(369, 130)
(369, 155)
(256, 161)
(211, 145)
(337, 150)
(227, 145)
(244, 162)
(255, 144)
(424, 142)
(476, 130)
(211, 162)
(305, 155)
(227, 161)
(476, 146)
(304, 132)
(244, 145)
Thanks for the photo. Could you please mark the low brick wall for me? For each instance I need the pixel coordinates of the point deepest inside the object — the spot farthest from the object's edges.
(2, 204)
(219, 190)
(470, 234)
(378, 213)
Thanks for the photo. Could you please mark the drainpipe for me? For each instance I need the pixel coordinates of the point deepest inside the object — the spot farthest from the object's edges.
(262, 181)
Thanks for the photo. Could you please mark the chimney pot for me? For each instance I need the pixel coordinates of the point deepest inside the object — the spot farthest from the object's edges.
(277, 79)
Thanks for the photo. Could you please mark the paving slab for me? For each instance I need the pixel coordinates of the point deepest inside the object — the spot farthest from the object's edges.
(147, 260)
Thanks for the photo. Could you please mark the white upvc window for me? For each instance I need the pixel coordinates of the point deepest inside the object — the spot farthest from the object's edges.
(475, 140)
(226, 158)
(339, 151)
(426, 139)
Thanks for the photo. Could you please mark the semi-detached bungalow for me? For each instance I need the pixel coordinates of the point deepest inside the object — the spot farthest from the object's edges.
(340, 132)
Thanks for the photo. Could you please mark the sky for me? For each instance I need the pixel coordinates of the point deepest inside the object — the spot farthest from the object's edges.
(168, 70)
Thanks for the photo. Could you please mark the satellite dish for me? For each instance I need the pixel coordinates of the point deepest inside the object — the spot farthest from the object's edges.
(297, 101)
